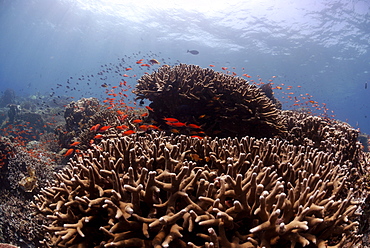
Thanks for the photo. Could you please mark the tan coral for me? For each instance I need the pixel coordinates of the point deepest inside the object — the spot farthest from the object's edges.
(148, 192)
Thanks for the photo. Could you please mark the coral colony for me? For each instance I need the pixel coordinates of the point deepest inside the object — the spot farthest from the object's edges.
(212, 162)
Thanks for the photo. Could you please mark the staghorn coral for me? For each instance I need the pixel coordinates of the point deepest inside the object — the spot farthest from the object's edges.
(178, 191)
(223, 105)
(327, 135)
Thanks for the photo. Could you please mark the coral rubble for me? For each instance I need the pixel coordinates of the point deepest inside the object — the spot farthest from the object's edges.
(223, 105)
(178, 191)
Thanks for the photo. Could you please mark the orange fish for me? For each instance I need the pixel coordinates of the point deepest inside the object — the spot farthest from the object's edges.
(196, 136)
(143, 127)
(128, 132)
(224, 68)
(98, 136)
(193, 126)
(105, 128)
(120, 112)
(147, 65)
(144, 114)
(171, 119)
(153, 127)
(139, 61)
(75, 143)
(125, 75)
(211, 66)
(137, 121)
(149, 108)
(246, 75)
(122, 127)
(154, 61)
(176, 124)
(95, 127)
(69, 152)
(127, 69)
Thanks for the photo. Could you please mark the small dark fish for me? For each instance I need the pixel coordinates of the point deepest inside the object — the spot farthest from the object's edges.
(194, 52)
(365, 85)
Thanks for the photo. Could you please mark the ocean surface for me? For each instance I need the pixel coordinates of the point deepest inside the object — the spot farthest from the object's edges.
(316, 53)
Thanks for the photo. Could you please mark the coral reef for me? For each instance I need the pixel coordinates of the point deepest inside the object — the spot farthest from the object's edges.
(168, 191)
(223, 105)
(17, 224)
(337, 138)
(2, 245)
(80, 116)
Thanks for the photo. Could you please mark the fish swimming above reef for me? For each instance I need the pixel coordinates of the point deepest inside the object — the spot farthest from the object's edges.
(194, 52)
(154, 61)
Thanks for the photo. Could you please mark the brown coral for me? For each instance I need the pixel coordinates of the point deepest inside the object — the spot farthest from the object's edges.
(168, 191)
(223, 105)
(325, 134)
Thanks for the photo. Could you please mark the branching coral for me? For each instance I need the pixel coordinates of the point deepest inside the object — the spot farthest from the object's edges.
(177, 191)
(223, 105)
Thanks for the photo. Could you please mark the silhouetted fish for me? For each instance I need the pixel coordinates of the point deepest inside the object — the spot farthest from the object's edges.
(194, 52)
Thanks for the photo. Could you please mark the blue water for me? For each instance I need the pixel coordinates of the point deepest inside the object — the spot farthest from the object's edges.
(322, 46)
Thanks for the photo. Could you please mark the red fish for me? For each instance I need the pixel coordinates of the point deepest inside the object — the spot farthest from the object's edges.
(211, 66)
(143, 127)
(128, 69)
(153, 127)
(98, 136)
(125, 75)
(176, 124)
(171, 119)
(139, 61)
(137, 121)
(122, 127)
(224, 68)
(69, 152)
(95, 127)
(196, 136)
(128, 132)
(149, 108)
(75, 143)
(194, 126)
(105, 128)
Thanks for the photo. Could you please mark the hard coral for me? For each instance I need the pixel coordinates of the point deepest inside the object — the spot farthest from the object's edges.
(328, 135)
(223, 105)
(178, 191)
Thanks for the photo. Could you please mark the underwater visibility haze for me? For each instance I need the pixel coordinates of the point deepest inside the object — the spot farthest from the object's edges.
(322, 46)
